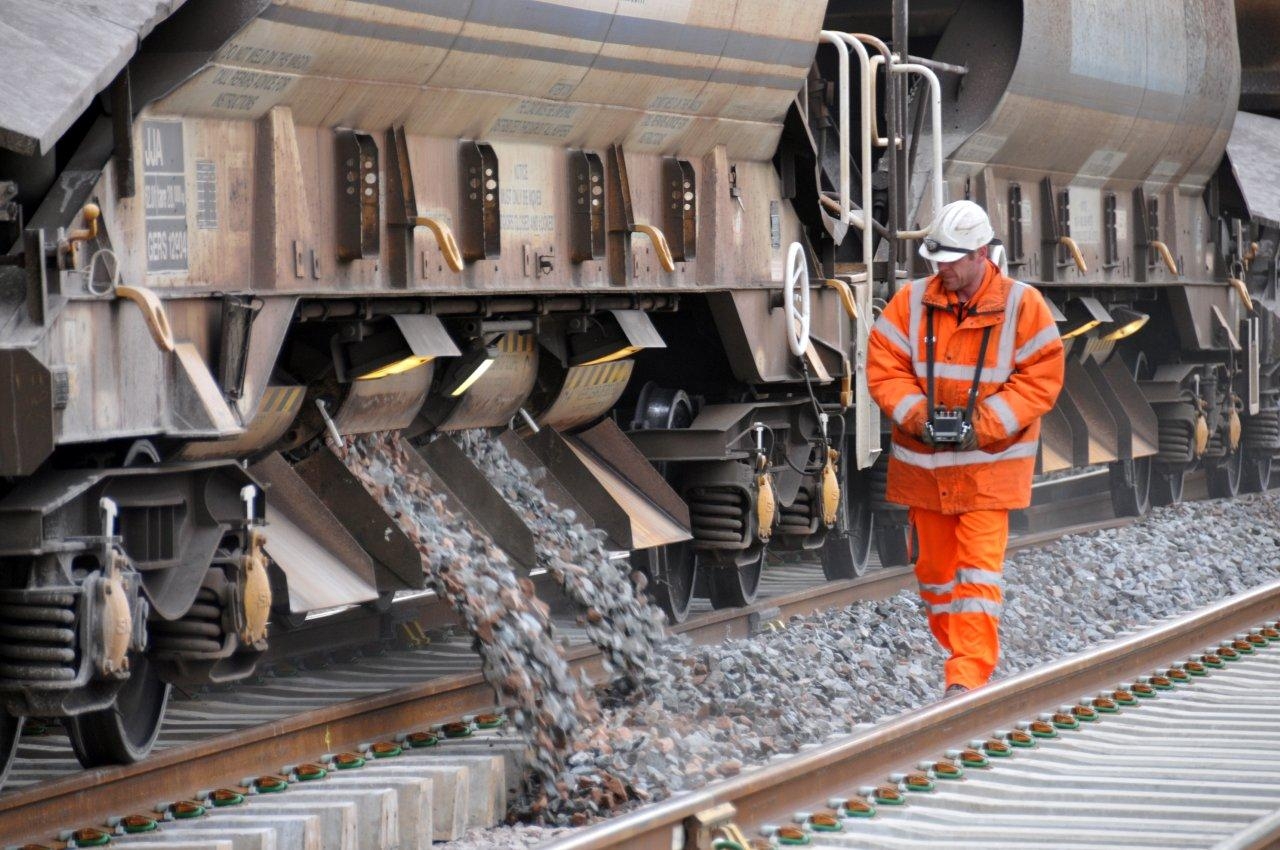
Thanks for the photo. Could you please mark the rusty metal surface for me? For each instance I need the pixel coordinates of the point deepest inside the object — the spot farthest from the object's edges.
(397, 563)
(774, 792)
(496, 396)
(78, 46)
(622, 492)
(384, 404)
(324, 565)
(586, 393)
(1254, 150)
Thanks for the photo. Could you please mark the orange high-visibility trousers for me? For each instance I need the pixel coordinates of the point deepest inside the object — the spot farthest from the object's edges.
(959, 567)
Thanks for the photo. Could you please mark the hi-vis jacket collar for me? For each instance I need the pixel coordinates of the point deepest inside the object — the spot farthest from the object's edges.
(986, 306)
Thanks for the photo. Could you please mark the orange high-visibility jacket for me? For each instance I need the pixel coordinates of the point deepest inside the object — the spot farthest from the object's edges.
(1021, 379)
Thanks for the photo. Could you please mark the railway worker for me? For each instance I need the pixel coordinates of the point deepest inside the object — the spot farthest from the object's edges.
(964, 438)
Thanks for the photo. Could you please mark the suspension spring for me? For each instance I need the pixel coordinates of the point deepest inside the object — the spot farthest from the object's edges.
(718, 515)
(797, 518)
(38, 634)
(1261, 433)
(1177, 441)
(197, 632)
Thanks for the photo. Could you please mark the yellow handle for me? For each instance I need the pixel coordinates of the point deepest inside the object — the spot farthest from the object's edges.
(444, 239)
(1242, 290)
(152, 311)
(846, 297)
(1075, 253)
(1166, 256)
(660, 245)
(91, 214)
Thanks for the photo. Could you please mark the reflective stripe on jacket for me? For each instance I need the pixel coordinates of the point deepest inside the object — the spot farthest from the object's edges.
(1020, 381)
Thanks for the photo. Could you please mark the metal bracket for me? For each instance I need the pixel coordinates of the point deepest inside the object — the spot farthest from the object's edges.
(680, 208)
(358, 195)
(122, 133)
(586, 221)
(481, 216)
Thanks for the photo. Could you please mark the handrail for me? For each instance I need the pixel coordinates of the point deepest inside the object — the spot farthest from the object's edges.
(660, 246)
(843, 42)
(842, 99)
(880, 141)
(1242, 290)
(846, 297)
(153, 313)
(1165, 255)
(1076, 255)
(935, 93)
(444, 240)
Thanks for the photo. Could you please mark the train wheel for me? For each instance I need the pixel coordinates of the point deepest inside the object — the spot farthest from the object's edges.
(125, 732)
(1166, 486)
(733, 584)
(893, 542)
(1131, 487)
(672, 573)
(1256, 474)
(847, 548)
(10, 735)
(1224, 477)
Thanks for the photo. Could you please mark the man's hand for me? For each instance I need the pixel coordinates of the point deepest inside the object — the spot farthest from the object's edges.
(926, 435)
(970, 440)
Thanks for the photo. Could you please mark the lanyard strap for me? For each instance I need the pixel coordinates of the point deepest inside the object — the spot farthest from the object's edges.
(930, 348)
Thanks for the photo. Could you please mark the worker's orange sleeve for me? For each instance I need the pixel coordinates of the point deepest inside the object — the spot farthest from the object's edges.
(891, 376)
(1033, 387)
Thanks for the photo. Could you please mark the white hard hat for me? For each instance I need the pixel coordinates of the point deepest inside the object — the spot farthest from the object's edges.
(961, 228)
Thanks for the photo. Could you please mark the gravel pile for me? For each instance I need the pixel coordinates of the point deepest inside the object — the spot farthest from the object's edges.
(712, 711)
(618, 619)
(521, 659)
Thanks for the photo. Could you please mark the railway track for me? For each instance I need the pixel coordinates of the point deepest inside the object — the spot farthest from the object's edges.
(1164, 738)
(297, 713)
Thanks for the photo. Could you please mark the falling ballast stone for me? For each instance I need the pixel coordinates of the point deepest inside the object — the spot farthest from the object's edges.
(838, 671)
(513, 632)
(618, 619)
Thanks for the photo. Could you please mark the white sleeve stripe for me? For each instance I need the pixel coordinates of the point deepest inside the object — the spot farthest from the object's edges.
(902, 408)
(893, 334)
(1002, 409)
(1046, 336)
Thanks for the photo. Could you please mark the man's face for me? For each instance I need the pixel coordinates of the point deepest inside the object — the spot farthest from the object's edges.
(965, 273)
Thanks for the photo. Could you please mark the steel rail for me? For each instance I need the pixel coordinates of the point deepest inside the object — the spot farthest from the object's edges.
(773, 793)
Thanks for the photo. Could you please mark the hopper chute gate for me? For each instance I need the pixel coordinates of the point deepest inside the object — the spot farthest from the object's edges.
(617, 485)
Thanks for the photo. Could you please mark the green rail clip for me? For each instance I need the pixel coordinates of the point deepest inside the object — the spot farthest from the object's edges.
(419, 740)
(89, 837)
(186, 810)
(224, 797)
